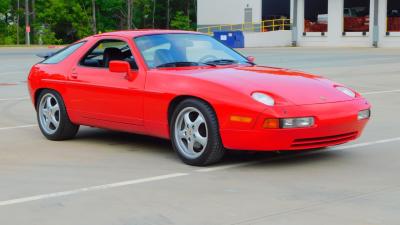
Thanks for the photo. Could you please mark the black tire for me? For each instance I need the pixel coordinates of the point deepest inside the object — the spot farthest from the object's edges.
(214, 150)
(66, 129)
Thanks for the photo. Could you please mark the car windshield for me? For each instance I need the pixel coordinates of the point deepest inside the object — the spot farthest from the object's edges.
(180, 50)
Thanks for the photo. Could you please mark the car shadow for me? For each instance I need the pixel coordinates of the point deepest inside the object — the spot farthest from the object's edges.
(161, 146)
(116, 138)
(281, 158)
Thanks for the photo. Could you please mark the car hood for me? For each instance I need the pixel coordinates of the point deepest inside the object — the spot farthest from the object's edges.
(288, 86)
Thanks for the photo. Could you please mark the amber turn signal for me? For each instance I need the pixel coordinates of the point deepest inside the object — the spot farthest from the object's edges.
(241, 119)
(271, 123)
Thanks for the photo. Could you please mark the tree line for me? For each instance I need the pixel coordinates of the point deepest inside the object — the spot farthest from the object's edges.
(65, 21)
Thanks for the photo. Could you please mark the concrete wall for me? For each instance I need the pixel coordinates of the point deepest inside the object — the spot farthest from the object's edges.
(393, 40)
(212, 12)
(268, 39)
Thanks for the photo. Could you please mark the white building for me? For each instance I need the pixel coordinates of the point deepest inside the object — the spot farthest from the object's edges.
(359, 23)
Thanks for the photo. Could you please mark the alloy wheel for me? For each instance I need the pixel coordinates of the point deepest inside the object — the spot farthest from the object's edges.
(49, 113)
(191, 134)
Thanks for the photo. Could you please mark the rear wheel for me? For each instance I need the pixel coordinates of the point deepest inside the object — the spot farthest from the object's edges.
(195, 133)
(52, 117)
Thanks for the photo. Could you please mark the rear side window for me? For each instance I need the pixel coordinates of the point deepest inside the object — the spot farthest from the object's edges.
(63, 53)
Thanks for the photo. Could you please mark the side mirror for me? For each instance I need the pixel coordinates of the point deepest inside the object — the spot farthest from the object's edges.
(119, 66)
(251, 59)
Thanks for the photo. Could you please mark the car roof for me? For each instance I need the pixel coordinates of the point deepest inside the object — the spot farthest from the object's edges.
(142, 32)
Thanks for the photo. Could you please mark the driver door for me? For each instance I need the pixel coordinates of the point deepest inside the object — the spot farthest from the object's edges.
(102, 97)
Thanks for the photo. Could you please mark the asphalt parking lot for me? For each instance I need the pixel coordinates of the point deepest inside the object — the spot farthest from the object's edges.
(107, 177)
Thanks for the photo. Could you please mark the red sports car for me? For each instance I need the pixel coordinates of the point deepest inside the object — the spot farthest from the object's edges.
(190, 88)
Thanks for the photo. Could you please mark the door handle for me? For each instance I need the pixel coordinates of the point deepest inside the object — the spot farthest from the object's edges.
(74, 74)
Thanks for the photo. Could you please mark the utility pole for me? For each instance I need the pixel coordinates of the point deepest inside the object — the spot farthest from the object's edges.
(129, 17)
(18, 22)
(27, 27)
(33, 20)
(195, 8)
(168, 19)
(188, 12)
(154, 11)
(94, 26)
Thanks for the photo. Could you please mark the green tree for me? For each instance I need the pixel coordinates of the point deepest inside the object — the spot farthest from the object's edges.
(6, 25)
(180, 21)
(65, 21)
(4, 6)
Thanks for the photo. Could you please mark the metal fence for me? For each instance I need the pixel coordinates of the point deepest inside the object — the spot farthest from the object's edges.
(264, 26)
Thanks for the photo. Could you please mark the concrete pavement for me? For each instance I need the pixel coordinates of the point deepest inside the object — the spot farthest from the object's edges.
(106, 177)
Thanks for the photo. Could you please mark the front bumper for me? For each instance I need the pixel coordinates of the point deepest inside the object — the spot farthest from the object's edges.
(335, 123)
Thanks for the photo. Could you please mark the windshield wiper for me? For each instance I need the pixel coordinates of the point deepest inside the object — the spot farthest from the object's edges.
(182, 64)
(222, 62)
(227, 62)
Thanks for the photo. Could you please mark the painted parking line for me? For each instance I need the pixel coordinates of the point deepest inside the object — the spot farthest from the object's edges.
(364, 144)
(7, 84)
(18, 127)
(11, 73)
(344, 147)
(92, 188)
(380, 92)
(14, 99)
(230, 166)
(175, 175)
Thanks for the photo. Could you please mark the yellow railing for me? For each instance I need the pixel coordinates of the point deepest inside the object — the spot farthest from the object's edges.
(264, 26)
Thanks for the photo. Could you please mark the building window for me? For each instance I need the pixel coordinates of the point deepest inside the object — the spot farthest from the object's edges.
(356, 16)
(393, 14)
(316, 16)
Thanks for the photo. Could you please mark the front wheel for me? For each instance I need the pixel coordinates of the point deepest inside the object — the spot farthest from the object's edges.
(195, 133)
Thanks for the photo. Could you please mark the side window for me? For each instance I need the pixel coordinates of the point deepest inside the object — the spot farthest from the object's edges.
(63, 53)
(107, 50)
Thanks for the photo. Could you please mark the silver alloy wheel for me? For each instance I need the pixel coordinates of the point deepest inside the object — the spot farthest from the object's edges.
(49, 113)
(191, 134)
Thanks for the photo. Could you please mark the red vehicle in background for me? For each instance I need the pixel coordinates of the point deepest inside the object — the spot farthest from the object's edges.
(355, 20)
(393, 21)
(315, 26)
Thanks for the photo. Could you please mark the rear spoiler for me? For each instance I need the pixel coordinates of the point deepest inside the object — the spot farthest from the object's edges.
(46, 55)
